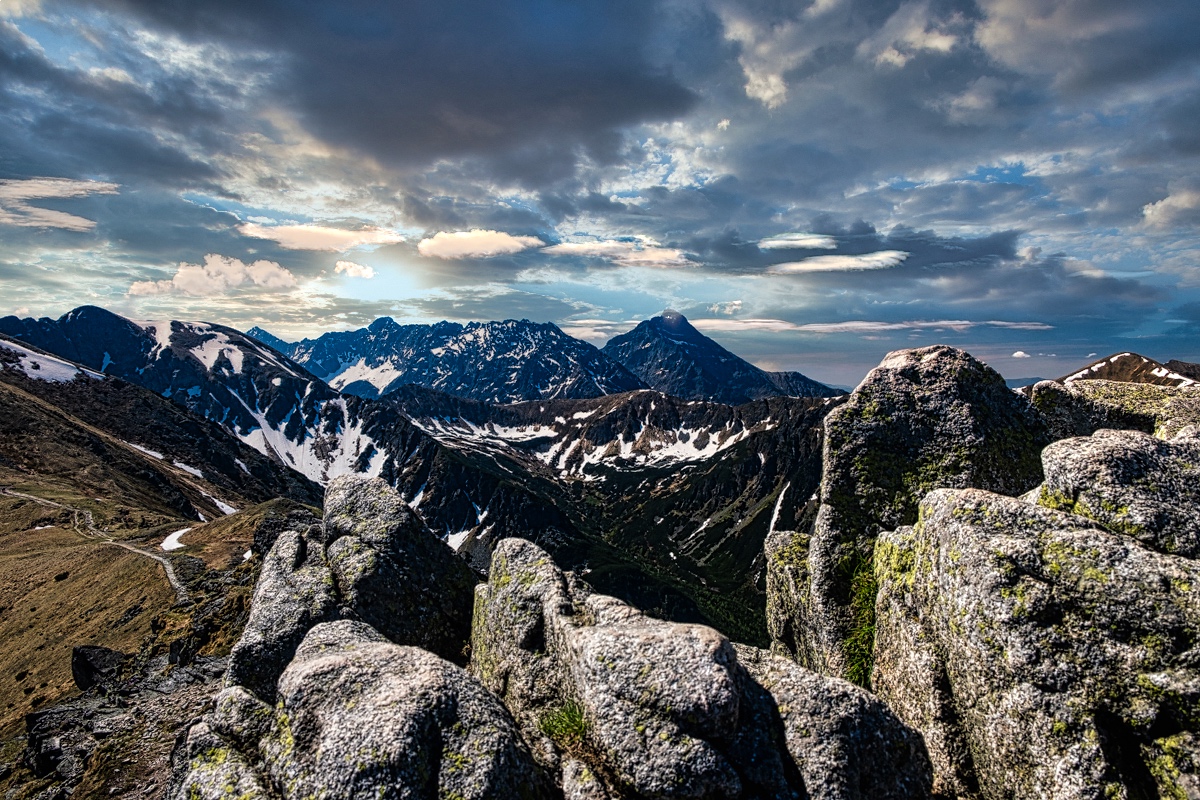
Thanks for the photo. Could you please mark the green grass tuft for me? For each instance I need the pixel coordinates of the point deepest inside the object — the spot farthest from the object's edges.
(566, 725)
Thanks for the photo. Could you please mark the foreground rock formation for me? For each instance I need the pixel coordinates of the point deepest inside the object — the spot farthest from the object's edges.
(567, 693)
(1040, 655)
(923, 419)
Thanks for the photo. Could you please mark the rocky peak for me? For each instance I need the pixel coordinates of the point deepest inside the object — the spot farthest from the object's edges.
(670, 355)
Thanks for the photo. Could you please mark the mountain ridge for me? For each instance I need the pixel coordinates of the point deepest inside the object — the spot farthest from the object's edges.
(499, 362)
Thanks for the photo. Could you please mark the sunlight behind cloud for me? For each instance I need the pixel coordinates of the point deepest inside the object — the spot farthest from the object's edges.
(353, 270)
(319, 237)
(475, 243)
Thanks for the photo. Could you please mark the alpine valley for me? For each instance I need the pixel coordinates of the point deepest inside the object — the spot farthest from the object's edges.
(492, 560)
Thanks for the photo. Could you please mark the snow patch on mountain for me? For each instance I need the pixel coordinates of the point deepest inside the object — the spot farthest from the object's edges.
(41, 367)
(380, 375)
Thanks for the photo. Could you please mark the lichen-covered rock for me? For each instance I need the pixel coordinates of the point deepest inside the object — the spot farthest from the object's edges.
(1070, 411)
(580, 783)
(1130, 483)
(1082, 407)
(846, 742)
(1040, 656)
(391, 572)
(652, 702)
(212, 770)
(926, 418)
(663, 709)
(359, 717)
(295, 591)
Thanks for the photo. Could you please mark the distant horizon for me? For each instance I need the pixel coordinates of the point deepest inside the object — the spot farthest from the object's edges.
(814, 372)
(814, 183)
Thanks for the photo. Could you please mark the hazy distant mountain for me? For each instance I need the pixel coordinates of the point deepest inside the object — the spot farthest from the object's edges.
(673, 357)
(1133, 368)
(494, 362)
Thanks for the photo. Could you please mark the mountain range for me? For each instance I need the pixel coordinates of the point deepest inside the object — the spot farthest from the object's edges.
(514, 361)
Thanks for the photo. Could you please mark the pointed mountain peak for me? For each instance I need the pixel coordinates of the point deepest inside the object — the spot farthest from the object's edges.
(672, 356)
(268, 338)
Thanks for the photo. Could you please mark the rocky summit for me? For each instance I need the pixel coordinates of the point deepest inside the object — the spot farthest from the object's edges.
(988, 594)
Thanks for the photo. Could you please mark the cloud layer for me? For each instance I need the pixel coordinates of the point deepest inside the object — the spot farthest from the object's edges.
(816, 182)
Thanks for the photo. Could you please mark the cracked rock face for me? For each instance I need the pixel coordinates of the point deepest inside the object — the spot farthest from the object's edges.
(1130, 483)
(293, 593)
(618, 701)
(1039, 655)
(923, 419)
(391, 572)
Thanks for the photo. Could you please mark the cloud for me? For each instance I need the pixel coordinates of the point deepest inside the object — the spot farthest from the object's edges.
(319, 237)
(573, 77)
(15, 196)
(217, 275)
(475, 243)
(730, 307)
(1021, 354)
(882, 259)
(1180, 207)
(353, 270)
(624, 253)
(909, 31)
(798, 241)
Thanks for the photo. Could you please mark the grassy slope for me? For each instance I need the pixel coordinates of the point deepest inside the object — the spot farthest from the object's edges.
(59, 589)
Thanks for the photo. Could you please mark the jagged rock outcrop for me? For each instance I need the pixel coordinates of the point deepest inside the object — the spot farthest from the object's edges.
(1083, 407)
(320, 703)
(294, 592)
(1039, 655)
(391, 573)
(926, 418)
(371, 560)
(361, 717)
(1128, 482)
(617, 702)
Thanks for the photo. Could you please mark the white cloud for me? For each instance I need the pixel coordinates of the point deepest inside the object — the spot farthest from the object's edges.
(723, 125)
(1021, 354)
(731, 307)
(767, 52)
(644, 253)
(16, 194)
(354, 270)
(882, 259)
(20, 8)
(859, 326)
(475, 243)
(217, 275)
(789, 241)
(1181, 206)
(319, 237)
(907, 32)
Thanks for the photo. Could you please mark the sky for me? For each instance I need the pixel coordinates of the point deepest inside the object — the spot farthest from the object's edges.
(812, 183)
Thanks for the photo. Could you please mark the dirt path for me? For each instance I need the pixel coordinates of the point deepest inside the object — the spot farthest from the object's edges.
(90, 531)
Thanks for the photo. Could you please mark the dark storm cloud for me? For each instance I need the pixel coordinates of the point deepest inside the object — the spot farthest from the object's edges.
(69, 122)
(530, 83)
